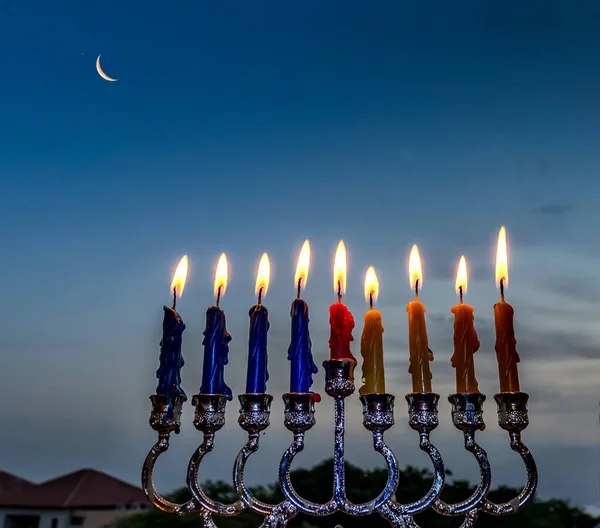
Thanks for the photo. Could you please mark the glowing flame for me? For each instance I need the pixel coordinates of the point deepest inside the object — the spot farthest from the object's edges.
(371, 285)
(461, 275)
(179, 276)
(501, 258)
(303, 265)
(263, 274)
(221, 275)
(339, 269)
(414, 268)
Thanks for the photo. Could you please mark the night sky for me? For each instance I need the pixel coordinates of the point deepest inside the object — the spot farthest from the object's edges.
(247, 127)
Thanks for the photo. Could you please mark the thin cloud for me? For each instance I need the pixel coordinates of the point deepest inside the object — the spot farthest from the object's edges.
(554, 209)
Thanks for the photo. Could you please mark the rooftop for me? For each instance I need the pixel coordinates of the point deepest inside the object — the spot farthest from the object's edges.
(83, 489)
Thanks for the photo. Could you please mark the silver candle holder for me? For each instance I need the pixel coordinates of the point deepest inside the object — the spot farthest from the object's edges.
(378, 417)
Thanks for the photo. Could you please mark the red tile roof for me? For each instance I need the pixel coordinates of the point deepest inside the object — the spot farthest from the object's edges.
(12, 483)
(83, 489)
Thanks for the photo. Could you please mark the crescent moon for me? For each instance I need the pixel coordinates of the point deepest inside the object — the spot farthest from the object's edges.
(101, 71)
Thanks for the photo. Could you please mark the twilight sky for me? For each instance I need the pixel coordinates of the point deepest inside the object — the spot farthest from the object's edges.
(249, 126)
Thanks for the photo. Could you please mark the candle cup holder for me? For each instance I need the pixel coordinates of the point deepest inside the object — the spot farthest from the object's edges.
(209, 415)
(299, 414)
(513, 417)
(255, 412)
(166, 412)
(423, 411)
(512, 411)
(467, 411)
(378, 412)
(339, 377)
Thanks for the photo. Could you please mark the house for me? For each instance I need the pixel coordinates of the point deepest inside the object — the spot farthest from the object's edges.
(83, 499)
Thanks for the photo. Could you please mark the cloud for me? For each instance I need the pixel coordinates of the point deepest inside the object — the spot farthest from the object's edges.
(554, 209)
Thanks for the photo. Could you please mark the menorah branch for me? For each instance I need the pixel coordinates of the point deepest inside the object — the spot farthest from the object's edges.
(467, 416)
(165, 418)
(254, 418)
(513, 417)
(422, 410)
(299, 417)
(209, 417)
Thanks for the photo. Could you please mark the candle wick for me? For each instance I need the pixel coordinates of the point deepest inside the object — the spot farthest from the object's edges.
(339, 292)
(371, 300)
(219, 295)
(260, 295)
(460, 292)
(174, 298)
(417, 289)
(299, 287)
(502, 289)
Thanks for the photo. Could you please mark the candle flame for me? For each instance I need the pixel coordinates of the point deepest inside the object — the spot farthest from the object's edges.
(180, 276)
(501, 259)
(414, 268)
(339, 269)
(461, 275)
(303, 265)
(221, 275)
(262, 275)
(371, 285)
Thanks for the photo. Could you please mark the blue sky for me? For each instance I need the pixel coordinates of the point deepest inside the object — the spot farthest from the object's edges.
(248, 127)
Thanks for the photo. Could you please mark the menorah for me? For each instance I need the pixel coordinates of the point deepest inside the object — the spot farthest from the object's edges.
(378, 417)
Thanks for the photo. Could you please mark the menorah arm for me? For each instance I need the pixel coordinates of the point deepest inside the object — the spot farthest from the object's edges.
(165, 418)
(423, 418)
(148, 482)
(289, 492)
(245, 495)
(467, 415)
(209, 417)
(378, 417)
(299, 417)
(255, 410)
(513, 417)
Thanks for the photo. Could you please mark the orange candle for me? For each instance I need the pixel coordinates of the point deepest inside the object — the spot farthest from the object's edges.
(420, 355)
(506, 344)
(466, 342)
(371, 342)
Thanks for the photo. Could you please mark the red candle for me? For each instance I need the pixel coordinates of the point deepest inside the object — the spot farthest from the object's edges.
(506, 344)
(340, 318)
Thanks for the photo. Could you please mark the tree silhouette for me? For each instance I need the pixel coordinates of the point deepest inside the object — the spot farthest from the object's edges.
(315, 484)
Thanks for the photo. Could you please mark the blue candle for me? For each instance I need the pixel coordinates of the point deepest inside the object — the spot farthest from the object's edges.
(171, 360)
(216, 351)
(299, 353)
(257, 375)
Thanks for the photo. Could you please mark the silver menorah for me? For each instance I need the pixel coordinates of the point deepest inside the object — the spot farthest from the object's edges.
(378, 417)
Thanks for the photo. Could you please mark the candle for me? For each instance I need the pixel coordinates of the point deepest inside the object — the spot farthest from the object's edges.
(171, 360)
(420, 355)
(299, 352)
(340, 318)
(466, 342)
(216, 339)
(371, 341)
(257, 375)
(506, 344)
